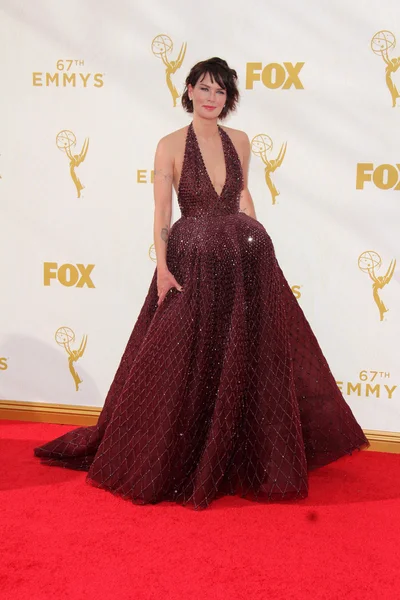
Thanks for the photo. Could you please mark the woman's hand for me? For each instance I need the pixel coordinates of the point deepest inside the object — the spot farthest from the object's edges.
(166, 281)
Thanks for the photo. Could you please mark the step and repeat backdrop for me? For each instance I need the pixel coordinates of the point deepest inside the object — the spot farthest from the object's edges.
(87, 90)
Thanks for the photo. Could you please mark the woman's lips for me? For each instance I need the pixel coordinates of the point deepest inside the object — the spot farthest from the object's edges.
(209, 107)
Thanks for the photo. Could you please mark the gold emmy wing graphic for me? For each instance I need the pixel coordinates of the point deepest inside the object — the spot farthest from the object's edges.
(381, 43)
(65, 140)
(260, 145)
(368, 262)
(64, 337)
(161, 46)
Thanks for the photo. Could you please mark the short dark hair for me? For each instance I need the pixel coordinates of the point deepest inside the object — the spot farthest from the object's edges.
(219, 71)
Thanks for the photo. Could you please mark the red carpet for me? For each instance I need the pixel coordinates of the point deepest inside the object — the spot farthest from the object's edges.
(62, 538)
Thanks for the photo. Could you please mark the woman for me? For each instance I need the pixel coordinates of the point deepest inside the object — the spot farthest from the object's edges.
(222, 388)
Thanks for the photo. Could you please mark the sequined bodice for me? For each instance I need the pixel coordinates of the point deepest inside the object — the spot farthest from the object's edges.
(196, 193)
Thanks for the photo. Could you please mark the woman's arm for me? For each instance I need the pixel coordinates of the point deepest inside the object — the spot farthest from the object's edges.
(246, 201)
(163, 176)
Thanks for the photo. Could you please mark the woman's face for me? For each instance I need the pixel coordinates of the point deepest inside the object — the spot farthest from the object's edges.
(207, 94)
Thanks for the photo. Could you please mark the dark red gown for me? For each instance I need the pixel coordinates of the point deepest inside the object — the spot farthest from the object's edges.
(223, 388)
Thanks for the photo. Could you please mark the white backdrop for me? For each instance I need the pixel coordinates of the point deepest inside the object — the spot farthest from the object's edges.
(83, 82)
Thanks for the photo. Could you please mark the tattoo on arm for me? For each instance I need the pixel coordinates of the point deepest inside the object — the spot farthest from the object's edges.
(164, 234)
(167, 176)
(242, 209)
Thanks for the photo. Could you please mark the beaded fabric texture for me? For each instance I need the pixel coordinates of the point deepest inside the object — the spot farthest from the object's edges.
(223, 388)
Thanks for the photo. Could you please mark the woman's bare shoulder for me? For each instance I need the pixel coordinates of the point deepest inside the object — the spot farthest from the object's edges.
(238, 136)
(172, 142)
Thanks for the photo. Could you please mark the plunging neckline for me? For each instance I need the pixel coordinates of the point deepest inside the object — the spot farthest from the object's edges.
(221, 132)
